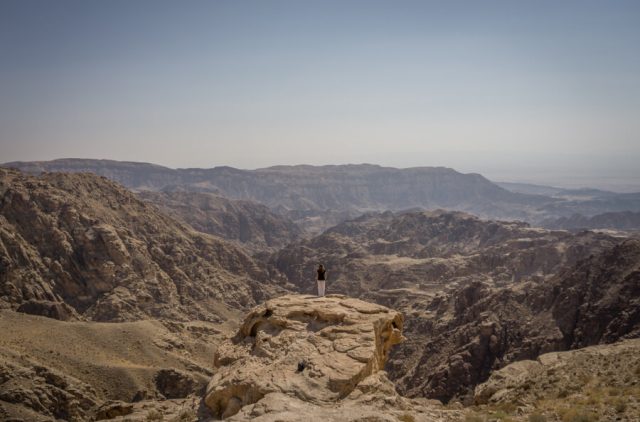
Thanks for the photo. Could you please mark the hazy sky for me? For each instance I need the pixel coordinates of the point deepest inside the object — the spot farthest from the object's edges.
(542, 91)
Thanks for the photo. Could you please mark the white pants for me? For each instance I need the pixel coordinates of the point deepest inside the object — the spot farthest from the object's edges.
(321, 284)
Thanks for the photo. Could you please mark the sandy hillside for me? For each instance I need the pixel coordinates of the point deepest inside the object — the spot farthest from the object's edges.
(98, 362)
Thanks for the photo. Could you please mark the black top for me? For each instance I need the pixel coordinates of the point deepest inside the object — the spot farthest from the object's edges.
(321, 274)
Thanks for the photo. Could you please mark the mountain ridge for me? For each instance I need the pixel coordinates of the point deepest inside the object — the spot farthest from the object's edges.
(85, 241)
(312, 192)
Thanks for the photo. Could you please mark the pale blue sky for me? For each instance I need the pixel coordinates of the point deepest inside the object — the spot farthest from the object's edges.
(511, 89)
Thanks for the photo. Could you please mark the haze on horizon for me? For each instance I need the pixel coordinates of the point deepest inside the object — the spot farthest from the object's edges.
(544, 91)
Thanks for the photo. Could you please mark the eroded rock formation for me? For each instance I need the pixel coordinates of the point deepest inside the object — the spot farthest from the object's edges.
(314, 349)
(478, 328)
(250, 224)
(434, 250)
(79, 245)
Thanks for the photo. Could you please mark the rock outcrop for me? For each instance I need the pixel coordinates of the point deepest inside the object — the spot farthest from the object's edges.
(301, 355)
(480, 294)
(33, 392)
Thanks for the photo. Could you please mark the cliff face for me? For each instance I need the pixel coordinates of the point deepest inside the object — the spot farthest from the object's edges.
(81, 246)
(478, 329)
(598, 301)
(297, 357)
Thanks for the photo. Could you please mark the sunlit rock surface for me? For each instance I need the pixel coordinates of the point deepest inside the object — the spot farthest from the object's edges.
(309, 357)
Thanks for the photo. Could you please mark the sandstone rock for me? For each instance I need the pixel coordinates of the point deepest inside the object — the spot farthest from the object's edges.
(113, 409)
(474, 290)
(341, 341)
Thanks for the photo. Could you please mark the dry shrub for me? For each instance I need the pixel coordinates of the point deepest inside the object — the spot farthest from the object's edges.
(537, 417)
(154, 415)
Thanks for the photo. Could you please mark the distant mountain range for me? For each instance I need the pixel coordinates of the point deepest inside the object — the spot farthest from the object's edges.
(317, 197)
(328, 193)
(625, 220)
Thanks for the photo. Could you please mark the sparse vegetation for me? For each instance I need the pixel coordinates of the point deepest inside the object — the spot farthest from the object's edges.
(585, 378)
(620, 406)
(407, 418)
(154, 415)
(474, 418)
(537, 417)
(577, 415)
(499, 415)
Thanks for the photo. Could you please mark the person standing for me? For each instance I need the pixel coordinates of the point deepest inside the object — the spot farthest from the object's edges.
(322, 279)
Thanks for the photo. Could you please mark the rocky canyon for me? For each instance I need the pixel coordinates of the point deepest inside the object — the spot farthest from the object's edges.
(190, 295)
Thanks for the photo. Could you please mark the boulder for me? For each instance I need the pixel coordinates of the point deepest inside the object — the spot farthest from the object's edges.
(47, 308)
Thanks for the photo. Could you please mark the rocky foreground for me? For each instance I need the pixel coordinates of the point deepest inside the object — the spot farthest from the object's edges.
(305, 357)
(598, 383)
(293, 358)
